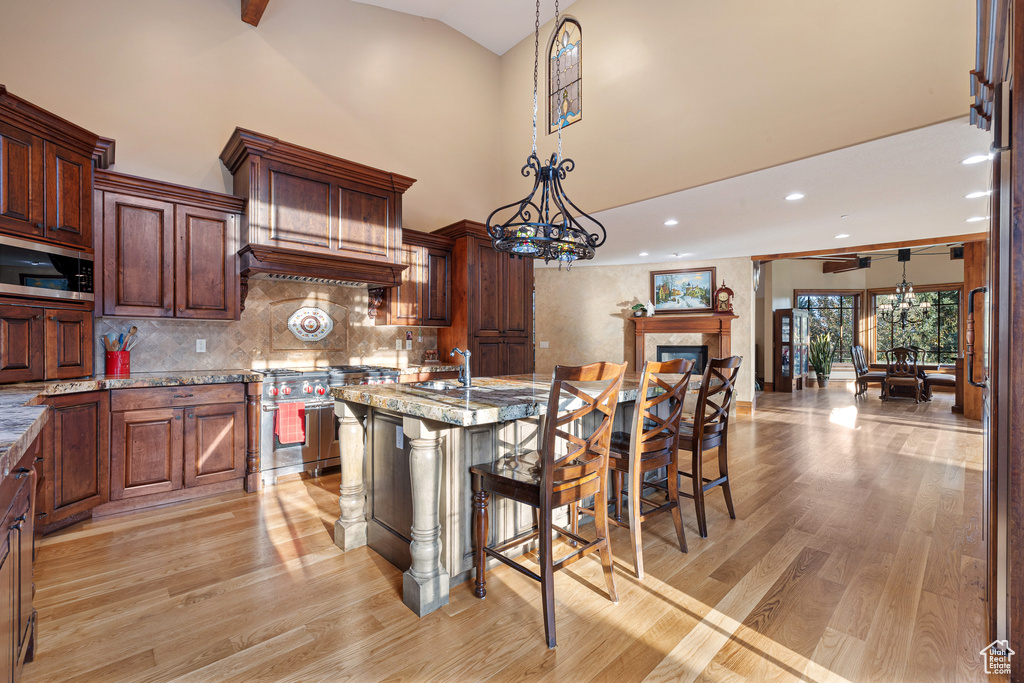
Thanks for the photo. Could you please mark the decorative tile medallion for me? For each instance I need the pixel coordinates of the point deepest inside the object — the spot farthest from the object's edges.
(310, 324)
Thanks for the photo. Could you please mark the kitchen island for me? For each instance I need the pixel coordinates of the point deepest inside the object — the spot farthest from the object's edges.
(406, 451)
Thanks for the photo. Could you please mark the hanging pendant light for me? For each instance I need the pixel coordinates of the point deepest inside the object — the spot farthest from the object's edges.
(904, 304)
(542, 224)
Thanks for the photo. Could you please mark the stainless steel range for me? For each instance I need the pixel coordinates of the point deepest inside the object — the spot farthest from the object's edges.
(311, 388)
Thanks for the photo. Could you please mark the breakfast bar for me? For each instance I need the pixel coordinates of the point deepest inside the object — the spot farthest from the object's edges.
(406, 451)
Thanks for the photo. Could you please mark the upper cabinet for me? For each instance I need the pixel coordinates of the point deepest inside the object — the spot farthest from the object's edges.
(306, 209)
(167, 250)
(46, 174)
(423, 298)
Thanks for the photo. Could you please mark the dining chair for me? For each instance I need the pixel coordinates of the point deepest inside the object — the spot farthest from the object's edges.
(650, 444)
(901, 371)
(710, 429)
(865, 375)
(569, 467)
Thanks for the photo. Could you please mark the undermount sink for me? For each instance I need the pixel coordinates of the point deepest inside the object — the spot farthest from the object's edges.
(438, 385)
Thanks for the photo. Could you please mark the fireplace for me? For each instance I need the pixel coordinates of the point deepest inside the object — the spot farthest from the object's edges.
(698, 354)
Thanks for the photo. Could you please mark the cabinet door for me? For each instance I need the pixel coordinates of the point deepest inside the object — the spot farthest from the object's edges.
(489, 357)
(145, 452)
(434, 298)
(77, 455)
(68, 344)
(21, 182)
(21, 548)
(22, 335)
(486, 290)
(298, 206)
(404, 300)
(367, 226)
(68, 197)
(520, 356)
(205, 276)
(214, 443)
(138, 255)
(518, 296)
(8, 600)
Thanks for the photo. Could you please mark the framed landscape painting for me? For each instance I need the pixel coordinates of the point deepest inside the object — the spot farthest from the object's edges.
(682, 291)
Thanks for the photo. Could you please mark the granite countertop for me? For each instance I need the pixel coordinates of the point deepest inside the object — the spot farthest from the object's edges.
(418, 369)
(22, 417)
(489, 400)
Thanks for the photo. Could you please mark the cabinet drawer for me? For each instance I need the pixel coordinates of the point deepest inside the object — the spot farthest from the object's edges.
(169, 397)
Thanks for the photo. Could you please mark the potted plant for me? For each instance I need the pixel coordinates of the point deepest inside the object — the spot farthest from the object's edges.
(638, 310)
(822, 353)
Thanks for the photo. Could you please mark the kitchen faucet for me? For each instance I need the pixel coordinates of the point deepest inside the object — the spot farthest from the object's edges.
(465, 377)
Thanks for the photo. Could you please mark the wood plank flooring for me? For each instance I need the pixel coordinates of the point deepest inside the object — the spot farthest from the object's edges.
(856, 556)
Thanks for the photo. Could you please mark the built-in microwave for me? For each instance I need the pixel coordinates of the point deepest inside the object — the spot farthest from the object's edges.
(43, 270)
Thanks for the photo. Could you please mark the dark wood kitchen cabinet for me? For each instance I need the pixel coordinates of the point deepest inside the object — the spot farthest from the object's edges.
(76, 456)
(167, 250)
(44, 343)
(17, 616)
(166, 441)
(46, 174)
(423, 298)
(305, 207)
(491, 302)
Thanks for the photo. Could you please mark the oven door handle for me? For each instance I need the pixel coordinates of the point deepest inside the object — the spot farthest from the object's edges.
(308, 406)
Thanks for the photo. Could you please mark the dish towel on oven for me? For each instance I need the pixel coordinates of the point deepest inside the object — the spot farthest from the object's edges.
(290, 422)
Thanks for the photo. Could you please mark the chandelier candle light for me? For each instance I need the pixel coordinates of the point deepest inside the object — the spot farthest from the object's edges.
(904, 299)
(541, 225)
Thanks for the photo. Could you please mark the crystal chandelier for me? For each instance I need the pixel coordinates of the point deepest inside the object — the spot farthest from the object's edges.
(904, 304)
(542, 224)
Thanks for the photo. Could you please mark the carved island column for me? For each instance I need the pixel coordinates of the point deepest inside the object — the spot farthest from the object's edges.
(253, 481)
(425, 584)
(350, 528)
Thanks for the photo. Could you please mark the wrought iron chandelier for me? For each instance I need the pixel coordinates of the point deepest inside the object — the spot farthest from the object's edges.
(541, 225)
(904, 304)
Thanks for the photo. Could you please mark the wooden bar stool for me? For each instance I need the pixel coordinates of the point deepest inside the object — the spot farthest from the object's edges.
(567, 469)
(710, 429)
(650, 445)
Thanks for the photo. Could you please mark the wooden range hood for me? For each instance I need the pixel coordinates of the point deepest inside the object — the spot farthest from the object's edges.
(313, 215)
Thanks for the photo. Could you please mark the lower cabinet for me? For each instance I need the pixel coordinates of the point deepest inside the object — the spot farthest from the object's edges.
(17, 617)
(168, 440)
(76, 474)
(497, 356)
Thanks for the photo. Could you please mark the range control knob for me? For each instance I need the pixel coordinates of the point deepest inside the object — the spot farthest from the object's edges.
(308, 389)
(272, 391)
(286, 390)
(321, 391)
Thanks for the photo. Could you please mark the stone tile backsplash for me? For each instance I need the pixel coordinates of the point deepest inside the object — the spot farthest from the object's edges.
(261, 338)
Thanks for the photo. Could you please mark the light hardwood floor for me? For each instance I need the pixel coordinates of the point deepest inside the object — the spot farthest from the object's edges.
(857, 555)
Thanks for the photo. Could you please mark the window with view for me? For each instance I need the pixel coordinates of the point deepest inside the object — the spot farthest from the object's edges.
(936, 332)
(835, 314)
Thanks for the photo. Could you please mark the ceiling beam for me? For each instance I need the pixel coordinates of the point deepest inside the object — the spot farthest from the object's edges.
(932, 241)
(846, 265)
(252, 11)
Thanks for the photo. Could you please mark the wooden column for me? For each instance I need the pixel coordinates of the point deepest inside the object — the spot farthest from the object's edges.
(425, 584)
(974, 276)
(253, 481)
(350, 528)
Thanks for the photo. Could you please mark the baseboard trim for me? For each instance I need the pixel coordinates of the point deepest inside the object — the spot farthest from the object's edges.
(745, 407)
(769, 386)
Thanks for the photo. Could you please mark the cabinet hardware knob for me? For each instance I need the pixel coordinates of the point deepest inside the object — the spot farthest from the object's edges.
(181, 309)
(191, 415)
(39, 317)
(39, 459)
(55, 228)
(22, 473)
(53, 318)
(177, 417)
(183, 395)
(17, 526)
(39, 226)
(42, 514)
(20, 518)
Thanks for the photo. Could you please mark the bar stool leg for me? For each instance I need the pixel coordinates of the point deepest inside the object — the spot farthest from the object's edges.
(672, 484)
(547, 577)
(723, 468)
(698, 488)
(480, 500)
(635, 513)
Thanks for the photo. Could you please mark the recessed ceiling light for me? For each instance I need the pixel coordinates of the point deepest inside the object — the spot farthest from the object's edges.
(643, 253)
(977, 219)
(845, 215)
(671, 221)
(679, 255)
(842, 236)
(975, 195)
(976, 159)
(793, 197)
